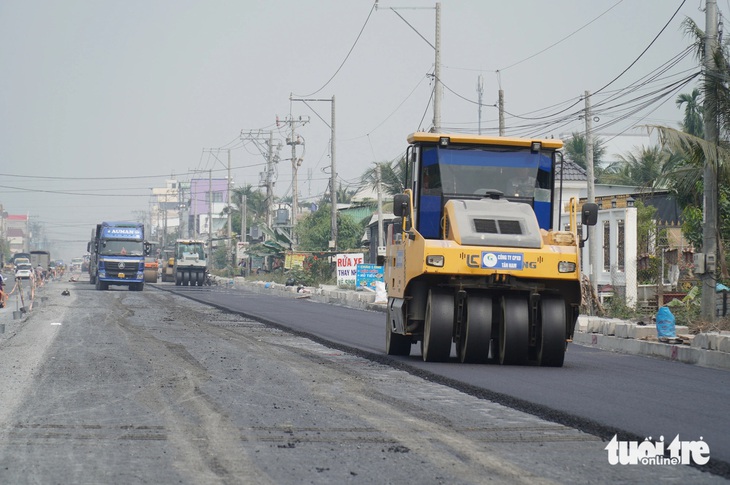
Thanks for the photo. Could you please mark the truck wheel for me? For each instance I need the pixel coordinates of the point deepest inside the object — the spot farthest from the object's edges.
(193, 278)
(186, 278)
(437, 328)
(476, 333)
(395, 343)
(513, 331)
(178, 278)
(552, 342)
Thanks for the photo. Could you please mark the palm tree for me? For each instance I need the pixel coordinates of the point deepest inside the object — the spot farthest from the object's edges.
(256, 206)
(693, 151)
(345, 194)
(256, 203)
(643, 169)
(392, 176)
(698, 153)
(575, 151)
(693, 122)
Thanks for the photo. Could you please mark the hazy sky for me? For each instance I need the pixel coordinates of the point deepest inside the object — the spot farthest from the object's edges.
(102, 100)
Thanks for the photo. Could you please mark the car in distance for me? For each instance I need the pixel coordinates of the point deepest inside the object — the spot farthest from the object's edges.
(23, 272)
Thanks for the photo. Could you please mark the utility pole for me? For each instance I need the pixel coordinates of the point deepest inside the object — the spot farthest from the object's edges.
(501, 112)
(228, 207)
(243, 225)
(592, 241)
(381, 238)
(243, 218)
(267, 178)
(333, 162)
(164, 230)
(269, 181)
(210, 217)
(480, 92)
(437, 86)
(180, 212)
(437, 74)
(333, 178)
(296, 162)
(709, 231)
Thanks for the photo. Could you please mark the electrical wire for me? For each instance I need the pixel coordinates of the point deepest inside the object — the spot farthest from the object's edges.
(561, 40)
(615, 78)
(420, 124)
(372, 9)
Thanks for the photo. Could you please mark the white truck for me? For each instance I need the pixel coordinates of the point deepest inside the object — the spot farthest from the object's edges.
(190, 262)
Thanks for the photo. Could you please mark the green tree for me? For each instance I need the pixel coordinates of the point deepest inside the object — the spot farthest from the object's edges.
(256, 205)
(641, 169)
(392, 176)
(575, 151)
(344, 195)
(315, 231)
(685, 173)
(693, 122)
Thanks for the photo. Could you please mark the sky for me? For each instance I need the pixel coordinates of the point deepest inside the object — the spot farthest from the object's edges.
(102, 100)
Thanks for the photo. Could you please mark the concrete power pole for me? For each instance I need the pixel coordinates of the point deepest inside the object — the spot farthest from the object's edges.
(210, 217)
(267, 178)
(437, 89)
(709, 232)
(333, 162)
(501, 112)
(229, 233)
(333, 179)
(480, 92)
(437, 86)
(269, 181)
(592, 241)
(243, 218)
(243, 225)
(295, 164)
(381, 238)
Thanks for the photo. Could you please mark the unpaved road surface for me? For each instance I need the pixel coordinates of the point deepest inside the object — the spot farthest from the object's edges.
(128, 387)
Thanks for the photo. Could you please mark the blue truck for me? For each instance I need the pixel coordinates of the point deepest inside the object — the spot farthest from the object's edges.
(117, 252)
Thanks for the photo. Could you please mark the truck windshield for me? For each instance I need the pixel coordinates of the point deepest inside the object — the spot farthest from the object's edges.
(122, 248)
(185, 251)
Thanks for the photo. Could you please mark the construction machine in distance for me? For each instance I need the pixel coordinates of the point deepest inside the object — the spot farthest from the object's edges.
(190, 265)
(168, 269)
(475, 256)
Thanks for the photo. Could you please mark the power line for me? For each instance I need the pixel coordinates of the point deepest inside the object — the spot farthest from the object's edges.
(372, 9)
(561, 40)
